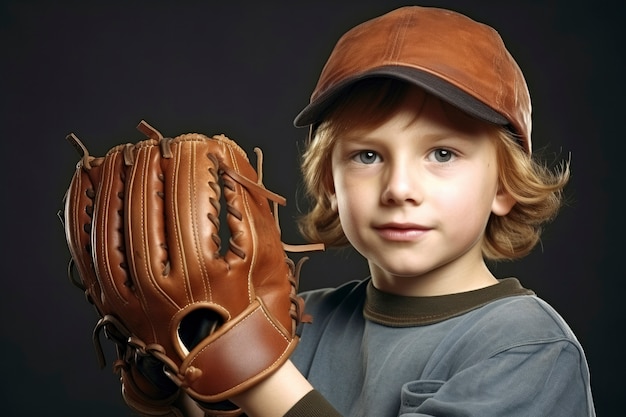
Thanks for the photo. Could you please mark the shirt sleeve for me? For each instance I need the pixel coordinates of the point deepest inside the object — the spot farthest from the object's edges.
(313, 405)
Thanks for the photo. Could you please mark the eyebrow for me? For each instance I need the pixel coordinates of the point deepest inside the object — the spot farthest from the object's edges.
(366, 137)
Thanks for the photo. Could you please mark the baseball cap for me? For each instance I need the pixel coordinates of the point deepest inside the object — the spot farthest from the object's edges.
(449, 55)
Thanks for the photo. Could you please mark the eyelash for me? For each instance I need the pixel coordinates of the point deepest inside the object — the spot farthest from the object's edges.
(358, 157)
(447, 154)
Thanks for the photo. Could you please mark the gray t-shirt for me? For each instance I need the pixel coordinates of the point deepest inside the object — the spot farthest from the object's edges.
(497, 351)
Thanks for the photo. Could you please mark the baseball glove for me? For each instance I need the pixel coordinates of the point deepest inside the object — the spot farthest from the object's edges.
(144, 228)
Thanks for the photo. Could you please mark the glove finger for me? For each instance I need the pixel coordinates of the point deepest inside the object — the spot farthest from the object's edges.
(109, 251)
(193, 209)
(248, 211)
(144, 210)
(169, 215)
(78, 213)
(252, 225)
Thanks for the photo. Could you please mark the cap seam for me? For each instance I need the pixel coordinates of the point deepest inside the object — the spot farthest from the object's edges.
(475, 64)
(399, 36)
(499, 98)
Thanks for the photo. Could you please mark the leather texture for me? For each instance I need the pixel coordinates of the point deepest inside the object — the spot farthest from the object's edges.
(144, 229)
(446, 46)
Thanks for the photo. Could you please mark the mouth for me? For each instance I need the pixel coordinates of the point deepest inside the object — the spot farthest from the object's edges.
(401, 232)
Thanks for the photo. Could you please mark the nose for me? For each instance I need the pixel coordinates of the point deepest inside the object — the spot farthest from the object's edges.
(401, 184)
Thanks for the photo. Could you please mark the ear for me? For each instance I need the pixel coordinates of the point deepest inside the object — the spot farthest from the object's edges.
(333, 201)
(502, 203)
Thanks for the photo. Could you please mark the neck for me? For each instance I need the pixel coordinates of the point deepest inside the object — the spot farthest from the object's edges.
(448, 279)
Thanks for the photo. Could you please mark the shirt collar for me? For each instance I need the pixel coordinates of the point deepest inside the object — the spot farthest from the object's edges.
(402, 311)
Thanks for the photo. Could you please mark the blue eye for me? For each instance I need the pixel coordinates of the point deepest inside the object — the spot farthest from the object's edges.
(367, 157)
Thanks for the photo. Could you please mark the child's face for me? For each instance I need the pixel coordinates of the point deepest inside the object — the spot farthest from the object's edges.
(414, 196)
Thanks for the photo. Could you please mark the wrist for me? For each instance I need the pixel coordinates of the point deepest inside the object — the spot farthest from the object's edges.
(276, 394)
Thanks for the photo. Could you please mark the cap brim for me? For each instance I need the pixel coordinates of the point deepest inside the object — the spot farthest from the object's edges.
(434, 85)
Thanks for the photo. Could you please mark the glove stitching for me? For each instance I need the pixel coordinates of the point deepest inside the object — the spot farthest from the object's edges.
(149, 273)
(252, 227)
(176, 232)
(239, 323)
(192, 197)
(147, 294)
(199, 254)
(106, 189)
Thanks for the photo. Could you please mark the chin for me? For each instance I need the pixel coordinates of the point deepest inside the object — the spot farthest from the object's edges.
(403, 271)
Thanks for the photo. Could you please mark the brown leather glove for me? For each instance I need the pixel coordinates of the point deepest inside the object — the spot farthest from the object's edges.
(143, 225)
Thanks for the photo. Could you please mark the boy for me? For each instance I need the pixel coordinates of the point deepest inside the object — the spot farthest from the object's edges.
(420, 157)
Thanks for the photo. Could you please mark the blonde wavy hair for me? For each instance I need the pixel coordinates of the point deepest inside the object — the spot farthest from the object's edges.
(536, 188)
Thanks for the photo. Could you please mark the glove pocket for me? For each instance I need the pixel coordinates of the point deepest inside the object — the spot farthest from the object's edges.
(241, 353)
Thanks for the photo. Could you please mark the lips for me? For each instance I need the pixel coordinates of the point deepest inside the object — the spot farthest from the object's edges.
(401, 232)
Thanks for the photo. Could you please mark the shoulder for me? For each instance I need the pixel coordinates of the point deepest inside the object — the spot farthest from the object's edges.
(526, 315)
(349, 295)
(520, 323)
(513, 338)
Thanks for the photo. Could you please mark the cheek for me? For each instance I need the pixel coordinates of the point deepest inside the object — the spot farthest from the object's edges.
(354, 221)
(345, 198)
(352, 201)
(470, 198)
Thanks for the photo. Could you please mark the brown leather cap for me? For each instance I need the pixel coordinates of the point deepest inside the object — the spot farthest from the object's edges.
(446, 53)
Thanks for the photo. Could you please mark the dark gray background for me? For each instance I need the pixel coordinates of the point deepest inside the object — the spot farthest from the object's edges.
(246, 69)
